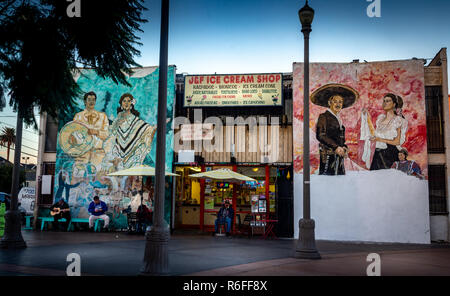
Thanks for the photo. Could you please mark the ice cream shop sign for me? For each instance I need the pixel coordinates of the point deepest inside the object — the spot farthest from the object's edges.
(233, 90)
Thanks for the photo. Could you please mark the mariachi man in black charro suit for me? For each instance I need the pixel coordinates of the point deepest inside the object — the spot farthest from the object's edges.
(330, 132)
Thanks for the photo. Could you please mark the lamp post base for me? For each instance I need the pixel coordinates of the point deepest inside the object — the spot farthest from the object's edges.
(156, 257)
(13, 233)
(306, 244)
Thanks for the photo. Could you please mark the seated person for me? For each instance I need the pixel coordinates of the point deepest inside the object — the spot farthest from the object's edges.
(64, 212)
(225, 215)
(144, 217)
(97, 209)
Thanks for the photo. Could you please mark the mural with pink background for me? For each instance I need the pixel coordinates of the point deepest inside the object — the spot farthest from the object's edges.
(372, 81)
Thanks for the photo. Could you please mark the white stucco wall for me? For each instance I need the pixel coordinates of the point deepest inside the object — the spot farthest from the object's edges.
(370, 206)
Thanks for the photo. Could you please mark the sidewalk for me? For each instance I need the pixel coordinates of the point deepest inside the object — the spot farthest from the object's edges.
(202, 255)
(430, 262)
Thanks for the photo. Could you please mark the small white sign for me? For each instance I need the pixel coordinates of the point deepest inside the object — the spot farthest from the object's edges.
(186, 156)
(46, 187)
(27, 197)
(197, 131)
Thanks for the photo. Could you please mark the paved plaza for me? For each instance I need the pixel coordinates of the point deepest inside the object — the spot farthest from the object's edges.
(195, 254)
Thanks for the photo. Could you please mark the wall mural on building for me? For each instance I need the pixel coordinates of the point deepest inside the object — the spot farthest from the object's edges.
(379, 99)
(112, 127)
(368, 131)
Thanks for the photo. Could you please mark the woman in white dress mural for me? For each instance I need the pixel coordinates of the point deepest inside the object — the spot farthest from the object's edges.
(131, 138)
(389, 134)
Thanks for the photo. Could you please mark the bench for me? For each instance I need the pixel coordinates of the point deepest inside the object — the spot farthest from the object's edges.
(28, 223)
(83, 220)
(76, 220)
(44, 220)
(97, 224)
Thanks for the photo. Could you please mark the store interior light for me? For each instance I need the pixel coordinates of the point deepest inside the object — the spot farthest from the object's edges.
(255, 169)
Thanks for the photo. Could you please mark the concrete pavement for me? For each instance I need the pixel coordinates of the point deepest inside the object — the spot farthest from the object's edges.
(193, 254)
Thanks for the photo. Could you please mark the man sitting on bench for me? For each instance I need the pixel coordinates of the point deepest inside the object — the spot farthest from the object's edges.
(60, 210)
(97, 209)
(225, 215)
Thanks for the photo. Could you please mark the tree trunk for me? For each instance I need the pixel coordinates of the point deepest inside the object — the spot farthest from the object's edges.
(7, 151)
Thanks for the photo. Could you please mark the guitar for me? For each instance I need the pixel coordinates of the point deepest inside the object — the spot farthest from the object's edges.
(57, 211)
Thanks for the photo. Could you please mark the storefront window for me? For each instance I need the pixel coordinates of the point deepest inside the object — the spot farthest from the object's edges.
(216, 192)
(190, 211)
(257, 190)
(188, 190)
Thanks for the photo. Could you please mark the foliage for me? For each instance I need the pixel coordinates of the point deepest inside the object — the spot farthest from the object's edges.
(6, 171)
(40, 47)
(8, 138)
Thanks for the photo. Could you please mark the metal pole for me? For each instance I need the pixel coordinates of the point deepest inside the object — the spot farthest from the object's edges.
(156, 257)
(13, 233)
(306, 244)
(306, 165)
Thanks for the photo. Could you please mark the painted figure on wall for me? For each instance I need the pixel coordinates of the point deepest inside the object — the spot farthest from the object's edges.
(409, 167)
(64, 187)
(97, 124)
(368, 125)
(330, 131)
(389, 134)
(130, 137)
(104, 133)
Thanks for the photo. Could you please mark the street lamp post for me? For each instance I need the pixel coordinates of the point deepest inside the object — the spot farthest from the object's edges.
(306, 244)
(156, 257)
(12, 238)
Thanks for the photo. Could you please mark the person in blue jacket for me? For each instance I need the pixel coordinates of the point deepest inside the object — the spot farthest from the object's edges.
(225, 215)
(97, 209)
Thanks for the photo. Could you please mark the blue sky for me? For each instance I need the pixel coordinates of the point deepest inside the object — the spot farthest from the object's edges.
(250, 36)
(264, 36)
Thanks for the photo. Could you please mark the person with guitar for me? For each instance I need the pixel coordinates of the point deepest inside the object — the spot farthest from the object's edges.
(60, 210)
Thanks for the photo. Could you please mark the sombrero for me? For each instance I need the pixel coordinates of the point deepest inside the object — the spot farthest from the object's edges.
(74, 139)
(321, 95)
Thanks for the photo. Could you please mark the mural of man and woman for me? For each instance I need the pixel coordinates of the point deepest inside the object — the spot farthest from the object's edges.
(94, 146)
(389, 132)
(122, 145)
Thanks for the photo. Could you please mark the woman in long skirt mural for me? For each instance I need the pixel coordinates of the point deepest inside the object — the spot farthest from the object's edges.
(389, 134)
(131, 137)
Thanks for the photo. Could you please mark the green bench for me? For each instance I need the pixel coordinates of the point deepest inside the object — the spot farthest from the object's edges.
(76, 220)
(44, 220)
(97, 225)
(28, 223)
(84, 220)
(70, 227)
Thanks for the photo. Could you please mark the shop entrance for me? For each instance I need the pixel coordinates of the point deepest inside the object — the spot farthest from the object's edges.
(197, 202)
